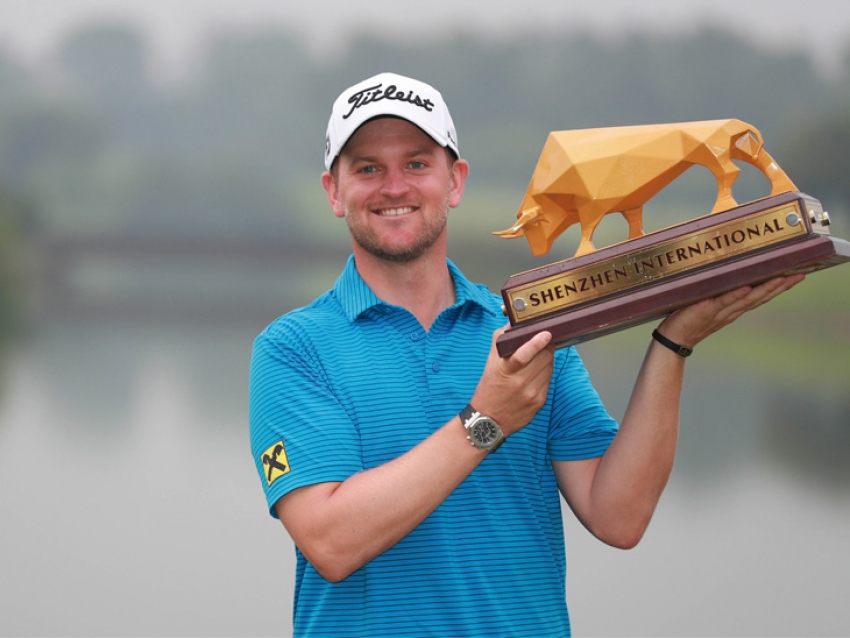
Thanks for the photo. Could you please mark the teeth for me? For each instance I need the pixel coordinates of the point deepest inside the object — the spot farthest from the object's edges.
(392, 212)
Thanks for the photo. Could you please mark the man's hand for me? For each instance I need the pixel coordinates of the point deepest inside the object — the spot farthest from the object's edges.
(690, 325)
(341, 526)
(513, 389)
(616, 495)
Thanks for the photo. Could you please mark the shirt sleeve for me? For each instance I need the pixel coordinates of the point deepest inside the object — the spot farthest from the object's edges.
(580, 426)
(300, 434)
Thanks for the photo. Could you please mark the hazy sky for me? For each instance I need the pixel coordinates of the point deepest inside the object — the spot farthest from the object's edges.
(31, 27)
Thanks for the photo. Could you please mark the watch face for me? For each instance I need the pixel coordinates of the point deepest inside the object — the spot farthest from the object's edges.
(484, 432)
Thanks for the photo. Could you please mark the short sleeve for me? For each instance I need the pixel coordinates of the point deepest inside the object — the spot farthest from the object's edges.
(300, 434)
(580, 426)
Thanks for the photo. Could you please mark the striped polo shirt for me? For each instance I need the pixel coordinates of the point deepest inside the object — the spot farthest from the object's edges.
(349, 383)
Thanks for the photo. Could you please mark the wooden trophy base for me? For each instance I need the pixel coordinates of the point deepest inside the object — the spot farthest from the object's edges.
(649, 277)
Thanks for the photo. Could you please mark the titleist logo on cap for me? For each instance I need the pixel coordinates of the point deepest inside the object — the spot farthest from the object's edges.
(377, 93)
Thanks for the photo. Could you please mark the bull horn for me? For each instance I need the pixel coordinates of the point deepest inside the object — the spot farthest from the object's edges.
(518, 229)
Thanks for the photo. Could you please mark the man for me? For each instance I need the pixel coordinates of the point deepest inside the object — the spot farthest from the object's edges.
(417, 471)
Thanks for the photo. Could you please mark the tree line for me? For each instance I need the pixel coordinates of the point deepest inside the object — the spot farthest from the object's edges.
(92, 144)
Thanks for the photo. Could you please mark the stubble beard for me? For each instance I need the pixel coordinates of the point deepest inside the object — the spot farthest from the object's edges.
(367, 240)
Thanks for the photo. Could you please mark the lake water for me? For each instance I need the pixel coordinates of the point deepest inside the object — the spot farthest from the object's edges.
(130, 506)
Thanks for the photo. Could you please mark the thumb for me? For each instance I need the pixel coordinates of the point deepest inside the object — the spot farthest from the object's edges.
(531, 348)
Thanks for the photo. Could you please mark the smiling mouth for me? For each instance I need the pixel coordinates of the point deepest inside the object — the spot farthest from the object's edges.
(394, 212)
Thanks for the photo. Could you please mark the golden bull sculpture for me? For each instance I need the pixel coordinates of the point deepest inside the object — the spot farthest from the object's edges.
(583, 175)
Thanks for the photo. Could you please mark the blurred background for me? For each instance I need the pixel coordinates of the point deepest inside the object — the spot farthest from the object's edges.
(160, 204)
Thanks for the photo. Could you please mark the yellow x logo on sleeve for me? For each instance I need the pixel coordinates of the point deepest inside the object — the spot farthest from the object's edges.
(275, 462)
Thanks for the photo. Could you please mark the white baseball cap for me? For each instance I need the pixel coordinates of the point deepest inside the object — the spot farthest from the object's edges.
(394, 95)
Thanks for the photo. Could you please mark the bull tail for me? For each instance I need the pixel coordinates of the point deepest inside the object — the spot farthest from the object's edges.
(757, 134)
(747, 144)
(758, 156)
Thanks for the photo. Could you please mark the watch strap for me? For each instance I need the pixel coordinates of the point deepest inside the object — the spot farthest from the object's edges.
(682, 351)
(466, 414)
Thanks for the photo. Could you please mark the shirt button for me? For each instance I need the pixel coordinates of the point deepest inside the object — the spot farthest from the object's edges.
(435, 367)
(415, 336)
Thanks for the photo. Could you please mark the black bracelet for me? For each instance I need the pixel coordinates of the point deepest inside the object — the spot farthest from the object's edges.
(682, 351)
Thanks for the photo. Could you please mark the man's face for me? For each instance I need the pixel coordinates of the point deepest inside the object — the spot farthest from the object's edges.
(394, 186)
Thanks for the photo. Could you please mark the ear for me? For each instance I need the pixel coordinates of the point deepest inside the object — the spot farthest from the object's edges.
(329, 184)
(460, 170)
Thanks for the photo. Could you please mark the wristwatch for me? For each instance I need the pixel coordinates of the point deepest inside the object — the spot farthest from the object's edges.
(481, 431)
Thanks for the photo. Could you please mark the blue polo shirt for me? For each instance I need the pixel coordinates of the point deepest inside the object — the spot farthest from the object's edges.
(349, 383)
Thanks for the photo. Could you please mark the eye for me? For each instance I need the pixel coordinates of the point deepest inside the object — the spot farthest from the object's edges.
(417, 164)
(368, 169)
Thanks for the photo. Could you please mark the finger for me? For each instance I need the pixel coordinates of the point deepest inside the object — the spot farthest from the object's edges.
(779, 284)
(734, 304)
(495, 337)
(541, 371)
(529, 350)
(730, 298)
(498, 333)
(536, 375)
(763, 293)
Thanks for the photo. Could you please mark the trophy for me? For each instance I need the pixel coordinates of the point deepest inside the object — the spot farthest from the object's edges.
(583, 175)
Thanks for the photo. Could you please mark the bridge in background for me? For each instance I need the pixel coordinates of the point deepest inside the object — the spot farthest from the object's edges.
(177, 278)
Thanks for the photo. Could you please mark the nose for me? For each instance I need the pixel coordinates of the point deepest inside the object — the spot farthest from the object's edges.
(394, 184)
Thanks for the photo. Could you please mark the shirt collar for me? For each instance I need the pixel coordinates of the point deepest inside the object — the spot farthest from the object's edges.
(355, 296)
